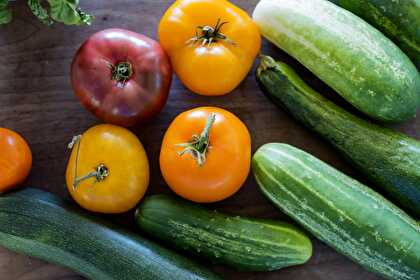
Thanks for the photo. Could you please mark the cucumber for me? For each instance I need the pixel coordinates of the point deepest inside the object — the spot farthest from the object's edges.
(243, 243)
(391, 160)
(340, 211)
(352, 57)
(399, 20)
(40, 225)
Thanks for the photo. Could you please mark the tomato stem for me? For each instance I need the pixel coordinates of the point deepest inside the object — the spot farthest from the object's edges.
(122, 72)
(199, 144)
(209, 34)
(100, 173)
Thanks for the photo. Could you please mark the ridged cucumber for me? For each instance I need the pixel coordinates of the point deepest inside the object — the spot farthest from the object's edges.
(340, 211)
(399, 20)
(390, 159)
(243, 243)
(348, 54)
(41, 225)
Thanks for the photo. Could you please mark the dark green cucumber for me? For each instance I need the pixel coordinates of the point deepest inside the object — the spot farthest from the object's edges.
(355, 59)
(340, 211)
(390, 159)
(40, 225)
(399, 20)
(243, 243)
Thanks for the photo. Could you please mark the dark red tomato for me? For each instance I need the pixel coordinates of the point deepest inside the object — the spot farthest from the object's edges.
(122, 77)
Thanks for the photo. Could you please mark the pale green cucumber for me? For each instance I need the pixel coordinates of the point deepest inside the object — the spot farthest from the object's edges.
(348, 54)
(397, 19)
(340, 211)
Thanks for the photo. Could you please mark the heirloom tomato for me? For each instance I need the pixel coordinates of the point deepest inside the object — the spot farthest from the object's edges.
(121, 77)
(15, 159)
(212, 44)
(206, 154)
(108, 170)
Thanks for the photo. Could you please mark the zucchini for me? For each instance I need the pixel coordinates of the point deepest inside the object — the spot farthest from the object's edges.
(40, 225)
(340, 211)
(348, 54)
(399, 20)
(389, 159)
(243, 243)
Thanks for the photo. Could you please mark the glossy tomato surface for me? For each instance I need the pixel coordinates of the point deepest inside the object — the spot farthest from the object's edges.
(125, 170)
(122, 77)
(207, 67)
(15, 159)
(227, 160)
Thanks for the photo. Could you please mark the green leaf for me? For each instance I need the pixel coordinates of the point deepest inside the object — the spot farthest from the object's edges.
(39, 11)
(67, 12)
(5, 13)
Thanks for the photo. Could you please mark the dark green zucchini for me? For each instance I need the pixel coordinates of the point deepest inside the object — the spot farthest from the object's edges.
(398, 19)
(340, 211)
(243, 243)
(390, 159)
(40, 225)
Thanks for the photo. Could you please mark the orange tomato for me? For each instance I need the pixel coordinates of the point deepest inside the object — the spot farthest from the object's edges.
(15, 159)
(108, 170)
(206, 154)
(212, 44)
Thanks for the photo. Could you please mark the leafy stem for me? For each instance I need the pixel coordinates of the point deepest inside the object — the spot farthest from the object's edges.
(5, 13)
(50, 11)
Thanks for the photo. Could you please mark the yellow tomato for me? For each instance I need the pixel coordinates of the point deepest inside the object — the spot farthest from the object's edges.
(108, 170)
(212, 44)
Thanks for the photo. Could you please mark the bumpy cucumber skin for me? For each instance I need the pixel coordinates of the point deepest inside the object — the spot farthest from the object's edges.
(340, 211)
(355, 59)
(399, 20)
(391, 160)
(41, 225)
(242, 243)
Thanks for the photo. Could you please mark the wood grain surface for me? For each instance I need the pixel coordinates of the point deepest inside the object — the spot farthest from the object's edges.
(36, 100)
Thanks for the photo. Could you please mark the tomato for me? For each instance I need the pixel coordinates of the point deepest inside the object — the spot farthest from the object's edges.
(108, 170)
(206, 154)
(121, 77)
(212, 44)
(15, 159)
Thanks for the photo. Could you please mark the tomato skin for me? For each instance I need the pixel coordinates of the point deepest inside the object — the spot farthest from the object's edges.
(15, 159)
(209, 70)
(124, 103)
(125, 158)
(227, 161)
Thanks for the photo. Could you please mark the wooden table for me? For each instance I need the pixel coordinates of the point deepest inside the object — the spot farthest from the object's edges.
(36, 99)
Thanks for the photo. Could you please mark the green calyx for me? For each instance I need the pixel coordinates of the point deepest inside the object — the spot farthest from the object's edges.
(206, 34)
(199, 144)
(122, 72)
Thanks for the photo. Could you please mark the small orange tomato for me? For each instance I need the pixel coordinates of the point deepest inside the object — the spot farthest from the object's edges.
(212, 44)
(15, 159)
(108, 170)
(206, 154)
